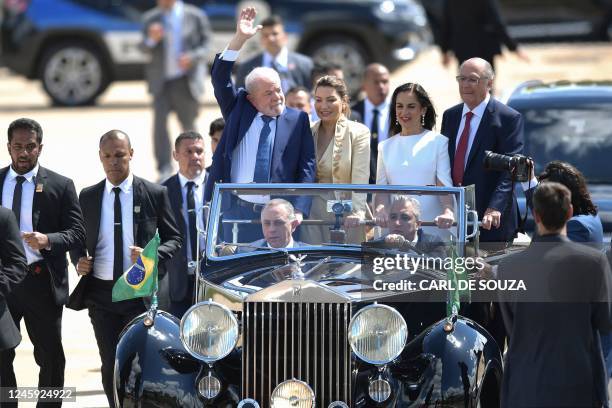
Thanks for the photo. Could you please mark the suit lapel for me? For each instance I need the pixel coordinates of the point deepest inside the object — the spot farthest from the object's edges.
(96, 216)
(138, 195)
(3, 174)
(176, 201)
(337, 149)
(39, 190)
(455, 121)
(482, 132)
(281, 138)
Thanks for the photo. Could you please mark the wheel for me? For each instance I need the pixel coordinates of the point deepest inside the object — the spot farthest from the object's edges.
(73, 73)
(345, 51)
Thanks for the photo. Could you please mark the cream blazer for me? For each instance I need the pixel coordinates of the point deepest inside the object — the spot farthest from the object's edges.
(350, 156)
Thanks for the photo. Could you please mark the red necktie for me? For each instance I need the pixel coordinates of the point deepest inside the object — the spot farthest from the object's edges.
(459, 162)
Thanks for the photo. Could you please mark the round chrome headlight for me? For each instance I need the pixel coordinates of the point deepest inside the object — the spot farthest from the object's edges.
(209, 386)
(292, 394)
(377, 334)
(379, 390)
(209, 331)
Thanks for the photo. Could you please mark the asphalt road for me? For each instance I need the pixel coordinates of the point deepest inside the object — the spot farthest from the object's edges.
(70, 147)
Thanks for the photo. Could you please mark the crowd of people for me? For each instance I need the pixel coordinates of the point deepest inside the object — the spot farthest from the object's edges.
(274, 129)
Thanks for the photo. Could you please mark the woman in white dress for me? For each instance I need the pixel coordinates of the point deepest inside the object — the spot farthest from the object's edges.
(415, 155)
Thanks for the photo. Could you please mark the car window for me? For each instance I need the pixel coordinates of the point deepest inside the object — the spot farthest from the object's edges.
(581, 136)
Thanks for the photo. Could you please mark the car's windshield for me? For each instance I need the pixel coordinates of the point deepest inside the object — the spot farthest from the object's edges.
(580, 135)
(420, 220)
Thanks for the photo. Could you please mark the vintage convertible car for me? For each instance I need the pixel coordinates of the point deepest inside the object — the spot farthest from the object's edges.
(318, 324)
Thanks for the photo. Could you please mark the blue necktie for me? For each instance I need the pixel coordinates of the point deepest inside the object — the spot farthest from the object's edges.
(264, 153)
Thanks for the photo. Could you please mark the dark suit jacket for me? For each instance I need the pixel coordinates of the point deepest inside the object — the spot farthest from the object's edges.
(501, 131)
(556, 338)
(176, 266)
(195, 30)
(293, 155)
(299, 69)
(56, 213)
(154, 213)
(12, 271)
(473, 28)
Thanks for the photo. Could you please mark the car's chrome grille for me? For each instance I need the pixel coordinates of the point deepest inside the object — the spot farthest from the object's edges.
(306, 341)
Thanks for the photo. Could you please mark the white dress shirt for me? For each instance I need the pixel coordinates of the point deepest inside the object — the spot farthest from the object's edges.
(198, 196)
(478, 112)
(173, 20)
(383, 117)
(27, 200)
(105, 248)
(281, 59)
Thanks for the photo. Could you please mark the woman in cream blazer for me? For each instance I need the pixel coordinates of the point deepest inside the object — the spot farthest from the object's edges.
(343, 157)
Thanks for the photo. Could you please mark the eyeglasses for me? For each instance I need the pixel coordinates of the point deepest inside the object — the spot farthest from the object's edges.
(470, 80)
(400, 217)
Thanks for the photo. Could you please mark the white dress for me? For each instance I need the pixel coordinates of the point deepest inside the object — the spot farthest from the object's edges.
(416, 160)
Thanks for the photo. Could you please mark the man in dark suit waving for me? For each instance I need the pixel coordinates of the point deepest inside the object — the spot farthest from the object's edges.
(12, 271)
(263, 141)
(294, 68)
(186, 192)
(478, 124)
(122, 214)
(48, 214)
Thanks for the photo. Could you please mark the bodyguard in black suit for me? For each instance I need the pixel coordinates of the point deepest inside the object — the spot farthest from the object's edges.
(554, 357)
(293, 68)
(12, 271)
(48, 213)
(374, 109)
(122, 214)
(186, 192)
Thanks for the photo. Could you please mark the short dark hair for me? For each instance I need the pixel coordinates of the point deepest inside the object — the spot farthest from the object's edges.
(25, 124)
(271, 21)
(216, 125)
(322, 68)
(190, 134)
(424, 100)
(115, 134)
(572, 178)
(552, 202)
(296, 89)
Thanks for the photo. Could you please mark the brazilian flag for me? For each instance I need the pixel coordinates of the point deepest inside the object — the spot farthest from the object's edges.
(141, 278)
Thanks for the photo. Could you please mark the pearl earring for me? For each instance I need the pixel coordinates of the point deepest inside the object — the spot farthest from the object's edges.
(423, 120)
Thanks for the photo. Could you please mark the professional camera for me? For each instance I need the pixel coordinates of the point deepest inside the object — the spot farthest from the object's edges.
(518, 165)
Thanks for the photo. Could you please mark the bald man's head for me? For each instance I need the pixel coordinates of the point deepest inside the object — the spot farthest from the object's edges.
(376, 83)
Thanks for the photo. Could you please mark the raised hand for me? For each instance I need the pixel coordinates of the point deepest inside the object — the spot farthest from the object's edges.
(245, 26)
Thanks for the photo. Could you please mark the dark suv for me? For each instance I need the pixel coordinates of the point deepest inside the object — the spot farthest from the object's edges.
(77, 47)
(572, 122)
